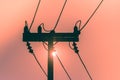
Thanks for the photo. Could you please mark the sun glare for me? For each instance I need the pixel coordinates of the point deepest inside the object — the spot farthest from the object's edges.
(54, 53)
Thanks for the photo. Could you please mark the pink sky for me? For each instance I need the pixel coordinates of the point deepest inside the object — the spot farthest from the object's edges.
(99, 43)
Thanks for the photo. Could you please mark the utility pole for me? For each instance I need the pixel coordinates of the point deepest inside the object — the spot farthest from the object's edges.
(50, 60)
(50, 38)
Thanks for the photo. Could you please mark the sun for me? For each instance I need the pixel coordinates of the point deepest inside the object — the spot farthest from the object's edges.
(54, 53)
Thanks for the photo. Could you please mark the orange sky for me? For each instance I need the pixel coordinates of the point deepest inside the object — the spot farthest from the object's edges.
(99, 43)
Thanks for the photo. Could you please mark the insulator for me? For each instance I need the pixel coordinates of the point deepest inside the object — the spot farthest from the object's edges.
(75, 29)
(28, 43)
(40, 29)
(26, 27)
(31, 51)
(77, 51)
(29, 47)
(75, 48)
(52, 32)
(74, 44)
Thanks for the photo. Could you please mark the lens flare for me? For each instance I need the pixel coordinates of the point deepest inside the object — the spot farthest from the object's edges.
(54, 53)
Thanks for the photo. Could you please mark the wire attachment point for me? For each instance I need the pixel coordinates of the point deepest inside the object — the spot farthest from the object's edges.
(78, 22)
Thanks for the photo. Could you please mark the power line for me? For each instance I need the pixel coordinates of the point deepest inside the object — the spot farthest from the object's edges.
(60, 15)
(39, 64)
(84, 66)
(81, 30)
(42, 25)
(77, 51)
(32, 52)
(55, 43)
(45, 46)
(80, 22)
(70, 46)
(91, 16)
(63, 67)
(29, 43)
(35, 15)
(68, 37)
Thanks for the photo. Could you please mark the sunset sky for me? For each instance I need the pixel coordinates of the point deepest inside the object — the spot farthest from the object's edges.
(99, 43)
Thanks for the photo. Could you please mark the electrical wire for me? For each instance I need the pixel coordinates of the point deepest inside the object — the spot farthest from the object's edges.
(32, 52)
(70, 46)
(55, 43)
(60, 15)
(35, 14)
(45, 43)
(84, 66)
(29, 30)
(63, 67)
(91, 16)
(79, 21)
(39, 64)
(44, 28)
(82, 63)
(69, 43)
(81, 30)
(45, 46)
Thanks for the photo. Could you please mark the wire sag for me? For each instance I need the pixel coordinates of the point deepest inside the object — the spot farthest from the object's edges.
(91, 16)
